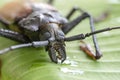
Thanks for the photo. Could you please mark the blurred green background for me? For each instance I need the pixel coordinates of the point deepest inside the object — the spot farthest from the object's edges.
(34, 64)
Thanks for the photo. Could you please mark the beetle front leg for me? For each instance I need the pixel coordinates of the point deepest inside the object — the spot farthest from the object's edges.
(13, 35)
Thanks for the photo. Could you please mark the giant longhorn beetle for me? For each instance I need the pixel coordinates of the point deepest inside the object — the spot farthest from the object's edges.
(36, 24)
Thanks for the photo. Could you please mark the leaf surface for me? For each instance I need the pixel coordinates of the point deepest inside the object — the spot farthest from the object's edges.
(34, 64)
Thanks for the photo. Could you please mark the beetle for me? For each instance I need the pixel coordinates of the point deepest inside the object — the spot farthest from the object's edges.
(37, 25)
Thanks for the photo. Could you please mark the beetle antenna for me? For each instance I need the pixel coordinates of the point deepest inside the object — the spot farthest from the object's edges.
(33, 44)
(102, 30)
(14, 47)
(83, 36)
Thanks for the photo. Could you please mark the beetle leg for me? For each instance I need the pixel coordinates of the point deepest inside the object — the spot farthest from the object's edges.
(100, 18)
(69, 26)
(13, 35)
(72, 11)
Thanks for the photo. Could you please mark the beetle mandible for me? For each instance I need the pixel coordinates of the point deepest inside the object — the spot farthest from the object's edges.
(36, 24)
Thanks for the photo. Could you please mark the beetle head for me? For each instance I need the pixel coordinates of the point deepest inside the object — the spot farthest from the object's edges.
(49, 29)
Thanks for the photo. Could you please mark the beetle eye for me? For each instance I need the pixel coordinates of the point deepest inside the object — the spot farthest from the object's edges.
(47, 35)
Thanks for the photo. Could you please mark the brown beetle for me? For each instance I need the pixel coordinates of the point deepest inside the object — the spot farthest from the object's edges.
(36, 24)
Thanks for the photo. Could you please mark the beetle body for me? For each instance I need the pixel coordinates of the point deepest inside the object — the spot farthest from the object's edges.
(37, 24)
(27, 13)
(36, 21)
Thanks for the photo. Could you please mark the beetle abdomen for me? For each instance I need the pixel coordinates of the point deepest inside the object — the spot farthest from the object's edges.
(15, 9)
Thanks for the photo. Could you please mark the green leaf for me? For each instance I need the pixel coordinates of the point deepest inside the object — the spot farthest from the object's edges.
(34, 64)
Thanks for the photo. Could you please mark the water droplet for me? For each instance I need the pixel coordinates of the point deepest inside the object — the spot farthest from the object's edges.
(72, 71)
(71, 63)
